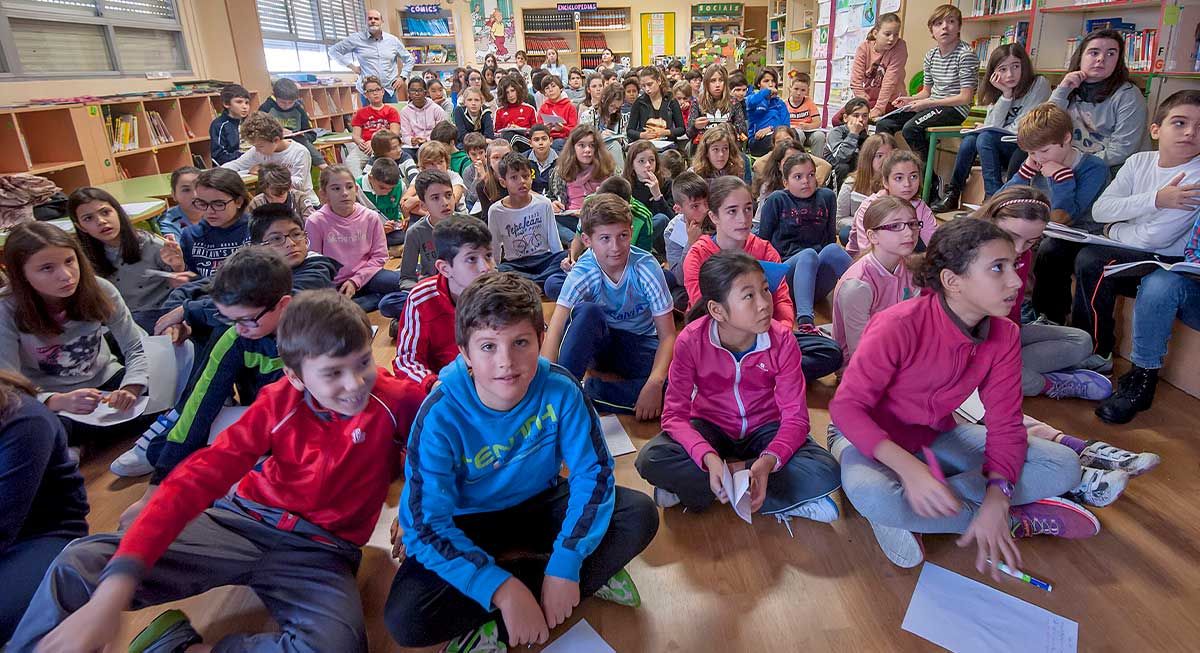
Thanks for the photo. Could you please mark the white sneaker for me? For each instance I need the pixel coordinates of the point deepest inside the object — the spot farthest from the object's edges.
(132, 463)
(1099, 487)
(1102, 455)
(665, 499)
(824, 510)
(902, 547)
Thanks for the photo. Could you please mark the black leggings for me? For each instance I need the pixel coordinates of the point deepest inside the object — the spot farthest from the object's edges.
(913, 124)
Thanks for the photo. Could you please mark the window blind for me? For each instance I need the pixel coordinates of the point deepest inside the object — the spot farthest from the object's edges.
(157, 9)
(146, 50)
(56, 47)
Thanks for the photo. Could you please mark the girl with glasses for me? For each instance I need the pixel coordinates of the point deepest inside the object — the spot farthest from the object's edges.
(901, 178)
(222, 199)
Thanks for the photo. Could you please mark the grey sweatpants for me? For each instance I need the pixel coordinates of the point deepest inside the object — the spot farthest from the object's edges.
(810, 474)
(1050, 470)
(1048, 348)
(307, 585)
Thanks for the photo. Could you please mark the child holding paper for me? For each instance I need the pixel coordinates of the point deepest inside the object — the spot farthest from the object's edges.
(735, 391)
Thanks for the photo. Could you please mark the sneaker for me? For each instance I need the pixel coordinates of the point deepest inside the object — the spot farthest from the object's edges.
(835, 442)
(170, 632)
(902, 547)
(949, 202)
(810, 329)
(620, 590)
(1043, 319)
(824, 510)
(132, 463)
(1082, 384)
(1102, 455)
(1099, 487)
(1054, 516)
(485, 639)
(1097, 363)
(665, 499)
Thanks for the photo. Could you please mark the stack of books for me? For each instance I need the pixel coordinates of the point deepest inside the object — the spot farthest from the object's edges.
(427, 27)
(122, 132)
(159, 134)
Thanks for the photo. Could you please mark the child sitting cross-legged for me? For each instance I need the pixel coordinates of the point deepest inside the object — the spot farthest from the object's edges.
(276, 184)
(906, 465)
(736, 391)
(524, 232)
(195, 310)
(352, 235)
(690, 194)
(426, 342)
(268, 145)
(383, 189)
(501, 547)
(619, 311)
(335, 421)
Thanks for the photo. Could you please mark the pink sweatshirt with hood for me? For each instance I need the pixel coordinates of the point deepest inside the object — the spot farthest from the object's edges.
(356, 241)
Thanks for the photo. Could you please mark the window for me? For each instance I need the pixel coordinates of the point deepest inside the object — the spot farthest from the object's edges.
(297, 33)
(64, 38)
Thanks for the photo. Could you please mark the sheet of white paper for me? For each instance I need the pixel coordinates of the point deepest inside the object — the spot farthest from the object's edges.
(966, 616)
(228, 416)
(134, 208)
(888, 5)
(160, 351)
(581, 638)
(972, 408)
(381, 537)
(823, 12)
(737, 488)
(105, 415)
(551, 119)
(618, 440)
(679, 235)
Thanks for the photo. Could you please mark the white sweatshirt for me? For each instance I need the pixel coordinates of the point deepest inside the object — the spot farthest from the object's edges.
(295, 158)
(1128, 204)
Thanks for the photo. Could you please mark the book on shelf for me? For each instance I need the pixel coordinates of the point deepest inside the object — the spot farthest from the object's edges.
(427, 27)
(122, 132)
(993, 7)
(159, 134)
(1142, 268)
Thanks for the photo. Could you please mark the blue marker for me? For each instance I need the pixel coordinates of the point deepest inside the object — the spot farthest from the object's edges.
(1020, 575)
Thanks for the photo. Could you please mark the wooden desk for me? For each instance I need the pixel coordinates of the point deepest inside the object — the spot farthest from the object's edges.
(146, 210)
(153, 187)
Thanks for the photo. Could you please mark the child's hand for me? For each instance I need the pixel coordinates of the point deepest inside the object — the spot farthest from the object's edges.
(762, 133)
(928, 496)
(716, 481)
(178, 333)
(75, 402)
(121, 399)
(131, 513)
(388, 226)
(904, 100)
(1005, 90)
(559, 598)
(856, 125)
(253, 169)
(1032, 164)
(365, 147)
(181, 278)
(990, 532)
(876, 113)
(759, 472)
(1073, 80)
(1178, 195)
(702, 122)
(694, 231)
(649, 401)
(651, 182)
(172, 318)
(171, 254)
(1051, 168)
(348, 288)
(398, 550)
(90, 628)
(566, 264)
(522, 615)
(558, 206)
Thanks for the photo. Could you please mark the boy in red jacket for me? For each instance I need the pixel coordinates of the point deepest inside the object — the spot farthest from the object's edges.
(332, 431)
(557, 104)
(425, 343)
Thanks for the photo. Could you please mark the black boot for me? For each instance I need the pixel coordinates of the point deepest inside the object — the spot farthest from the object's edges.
(949, 202)
(1135, 393)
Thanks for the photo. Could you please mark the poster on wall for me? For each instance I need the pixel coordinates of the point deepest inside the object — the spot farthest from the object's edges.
(658, 36)
(493, 29)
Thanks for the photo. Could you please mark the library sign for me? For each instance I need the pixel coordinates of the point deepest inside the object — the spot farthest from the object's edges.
(577, 7)
(718, 9)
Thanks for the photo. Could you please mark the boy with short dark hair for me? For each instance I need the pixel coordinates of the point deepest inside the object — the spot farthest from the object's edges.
(386, 144)
(447, 134)
(334, 422)
(475, 145)
(268, 145)
(542, 156)
(285, 106)
(275, 182)
(559, 104)
(574, 90)
(224, 133)
(803, 114)
(690, 193)
(620, 312)
(524, 232)
(426, 343)
(500, 547)
(383, 190)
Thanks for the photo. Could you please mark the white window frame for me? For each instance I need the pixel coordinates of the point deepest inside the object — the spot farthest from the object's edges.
(14, 70)
(319, 11)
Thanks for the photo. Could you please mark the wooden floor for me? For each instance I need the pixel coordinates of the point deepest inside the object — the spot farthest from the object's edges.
(709, 582)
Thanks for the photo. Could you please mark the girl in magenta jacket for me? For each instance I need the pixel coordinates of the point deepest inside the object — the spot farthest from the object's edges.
(906, 465)
(735, 392)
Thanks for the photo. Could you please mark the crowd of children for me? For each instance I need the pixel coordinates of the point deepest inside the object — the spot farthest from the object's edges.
(686, 277)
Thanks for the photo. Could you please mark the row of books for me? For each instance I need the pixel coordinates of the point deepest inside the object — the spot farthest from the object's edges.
(434, 54)
(592, 42)
(604, 19)
(539, 44)
(159, 134)
(993, 7)
(427, 27)
(1014, 33)
(562, 22)
(1141, 46)
(122, 132)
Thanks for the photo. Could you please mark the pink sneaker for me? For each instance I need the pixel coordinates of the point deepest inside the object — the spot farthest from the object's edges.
(1054, 516)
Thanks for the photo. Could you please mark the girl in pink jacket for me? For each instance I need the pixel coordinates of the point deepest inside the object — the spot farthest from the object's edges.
(735, 392)
(906, 465)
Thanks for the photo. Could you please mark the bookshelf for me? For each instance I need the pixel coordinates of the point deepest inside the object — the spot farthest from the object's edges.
(431, 39)
(988, 24)
(801, 27)
(777, 32)
(714, 19)
(579, 37)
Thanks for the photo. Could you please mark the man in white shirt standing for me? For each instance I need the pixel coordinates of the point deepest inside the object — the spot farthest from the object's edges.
(375, 52)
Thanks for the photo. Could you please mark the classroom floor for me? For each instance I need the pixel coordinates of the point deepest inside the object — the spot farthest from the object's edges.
(710, 582)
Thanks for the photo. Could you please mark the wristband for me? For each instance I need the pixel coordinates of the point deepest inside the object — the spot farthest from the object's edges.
(1005, 486)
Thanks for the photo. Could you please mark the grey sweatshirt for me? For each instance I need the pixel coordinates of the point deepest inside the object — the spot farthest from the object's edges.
(1007, 112)
(1112, 129)
(139, 290)
(79, 357)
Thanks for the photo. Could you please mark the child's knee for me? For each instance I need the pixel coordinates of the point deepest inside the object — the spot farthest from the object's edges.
(638, 516)
(1056, 465)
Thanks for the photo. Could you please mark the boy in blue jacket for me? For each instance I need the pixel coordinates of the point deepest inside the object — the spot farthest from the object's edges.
(500, 547)
(224, 132)
(764, 112)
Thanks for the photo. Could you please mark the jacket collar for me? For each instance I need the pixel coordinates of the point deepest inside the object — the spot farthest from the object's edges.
(762, 342)
(977, 336)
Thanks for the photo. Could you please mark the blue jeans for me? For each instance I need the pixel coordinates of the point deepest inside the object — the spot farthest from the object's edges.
(22, 566)
(813, 273)
(538, 268)
(1161, 297)
(590, 342)
(995, 157)
(964, 160)
(391, 305)
(384, 282)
